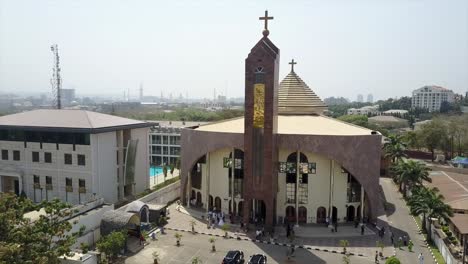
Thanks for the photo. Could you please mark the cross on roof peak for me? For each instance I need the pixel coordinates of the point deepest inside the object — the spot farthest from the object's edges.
(292, 63)
(266, 18)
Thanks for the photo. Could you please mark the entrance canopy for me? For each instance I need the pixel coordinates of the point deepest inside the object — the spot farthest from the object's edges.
(118, 220)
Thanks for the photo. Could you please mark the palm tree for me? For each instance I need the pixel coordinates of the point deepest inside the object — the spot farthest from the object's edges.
(429, 203)
(395, 148)
(165, 171)
(196, 260)
(178, 237)
(212, 241)
(344, 244)
(411, 174)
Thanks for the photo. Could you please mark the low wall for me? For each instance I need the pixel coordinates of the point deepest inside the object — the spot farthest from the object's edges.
(164, 195)
(444, 250)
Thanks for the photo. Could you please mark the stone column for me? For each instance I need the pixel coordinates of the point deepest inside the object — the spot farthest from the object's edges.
(207, 189)
(189, 188)
(362, 204)
(232, 179)
(298, 156)
(332, 189)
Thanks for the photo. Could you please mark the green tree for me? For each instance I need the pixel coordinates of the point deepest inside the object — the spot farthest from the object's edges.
(394, 148)
(344, 243)
(411, 174)
(41, 240)
(172, 167)
(429, 203)
(225, 228)
(165, 171)
(392, 260)
(212, 241)
(432, 134)
(412, 140)
(359, 120)
(112, 244)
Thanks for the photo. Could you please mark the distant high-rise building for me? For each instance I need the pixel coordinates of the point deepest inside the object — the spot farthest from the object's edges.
(360, 98)
(141, 92)
(370, 98)
(68, 95)
(431, 97)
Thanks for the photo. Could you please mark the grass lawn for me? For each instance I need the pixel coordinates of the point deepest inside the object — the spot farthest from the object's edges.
(434, 249)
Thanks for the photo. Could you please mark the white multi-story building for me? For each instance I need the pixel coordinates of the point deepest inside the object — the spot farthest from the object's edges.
(74, 155)
(431, 97)
(164, 141)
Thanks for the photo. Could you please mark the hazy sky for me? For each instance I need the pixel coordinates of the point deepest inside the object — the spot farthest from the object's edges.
(383, 47)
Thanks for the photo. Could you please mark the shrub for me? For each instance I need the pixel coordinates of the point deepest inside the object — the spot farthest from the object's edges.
(392, 260)
(445, 229)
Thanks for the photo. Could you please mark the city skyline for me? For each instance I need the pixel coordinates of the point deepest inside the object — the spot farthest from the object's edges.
(342, 49)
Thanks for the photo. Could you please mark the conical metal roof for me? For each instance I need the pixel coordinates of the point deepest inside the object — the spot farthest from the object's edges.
(296, 98)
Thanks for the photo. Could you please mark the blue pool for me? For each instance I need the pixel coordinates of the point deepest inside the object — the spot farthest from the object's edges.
(155, 170)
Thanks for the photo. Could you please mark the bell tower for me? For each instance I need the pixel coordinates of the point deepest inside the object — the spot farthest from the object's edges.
(260, 128)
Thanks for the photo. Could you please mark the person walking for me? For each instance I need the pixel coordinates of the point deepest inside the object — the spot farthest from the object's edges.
(421, 258)
(362, 229)
(376, 256)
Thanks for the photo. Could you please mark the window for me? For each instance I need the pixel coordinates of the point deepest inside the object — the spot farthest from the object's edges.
(16, 155)
(35, 156)
(81, 160)
(48, 157)
(82, 185)
(37, 182)
(290, 193)
(68, 185)
(68, 158)
(48, 180)
(4, 154)
(165, 140)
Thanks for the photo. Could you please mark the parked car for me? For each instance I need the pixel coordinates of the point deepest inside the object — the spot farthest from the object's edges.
(258, 259)
(234, 257)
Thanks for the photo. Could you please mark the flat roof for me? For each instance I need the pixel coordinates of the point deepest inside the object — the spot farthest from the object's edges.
(453, 186)
(177, 124)
(295, 125)
(461, 222)
(68, 120)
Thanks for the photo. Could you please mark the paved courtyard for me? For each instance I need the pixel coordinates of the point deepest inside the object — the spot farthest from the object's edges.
(198, 246)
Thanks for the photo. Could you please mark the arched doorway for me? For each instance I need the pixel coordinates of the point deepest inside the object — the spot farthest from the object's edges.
(258, 211)
(192, 195)
(241, 208)
(218, 203)
(321, 215)
(290, 214)
(199, 199)
(210, 203)
(334, 214)
(350, 213)
(302, 215)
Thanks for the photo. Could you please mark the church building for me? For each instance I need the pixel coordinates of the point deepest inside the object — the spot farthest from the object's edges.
(284, 160)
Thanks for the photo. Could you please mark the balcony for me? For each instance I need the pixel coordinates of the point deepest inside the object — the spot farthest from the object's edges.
(69, 188)
(82, 190)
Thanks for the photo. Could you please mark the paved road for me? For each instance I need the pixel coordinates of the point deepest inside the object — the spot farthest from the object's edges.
(199, 246)
(403, 224)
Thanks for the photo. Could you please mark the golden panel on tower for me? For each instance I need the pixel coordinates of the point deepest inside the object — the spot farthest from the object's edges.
(259, 105)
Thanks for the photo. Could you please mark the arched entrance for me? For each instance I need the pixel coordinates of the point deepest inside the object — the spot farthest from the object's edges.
(334, 214)
(290, 214)
(192, 195)
(350, 213)
(302, 215)
(199, 199)
(321, 215)
(240, 208)
(218, 204)
(210, 203)
(258, 210)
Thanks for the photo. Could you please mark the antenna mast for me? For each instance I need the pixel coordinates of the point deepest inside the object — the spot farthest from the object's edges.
(56, 80)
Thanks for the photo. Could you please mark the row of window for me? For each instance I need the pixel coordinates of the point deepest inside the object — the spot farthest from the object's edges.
(165, 150)
(68, 182)
(81, 159)
(45, 137)
(165, 140)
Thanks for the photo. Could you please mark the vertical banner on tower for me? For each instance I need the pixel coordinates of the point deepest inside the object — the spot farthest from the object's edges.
(259, 105)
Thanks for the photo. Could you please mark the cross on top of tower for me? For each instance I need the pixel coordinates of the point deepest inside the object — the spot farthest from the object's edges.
(292, 63)
(266, 18)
